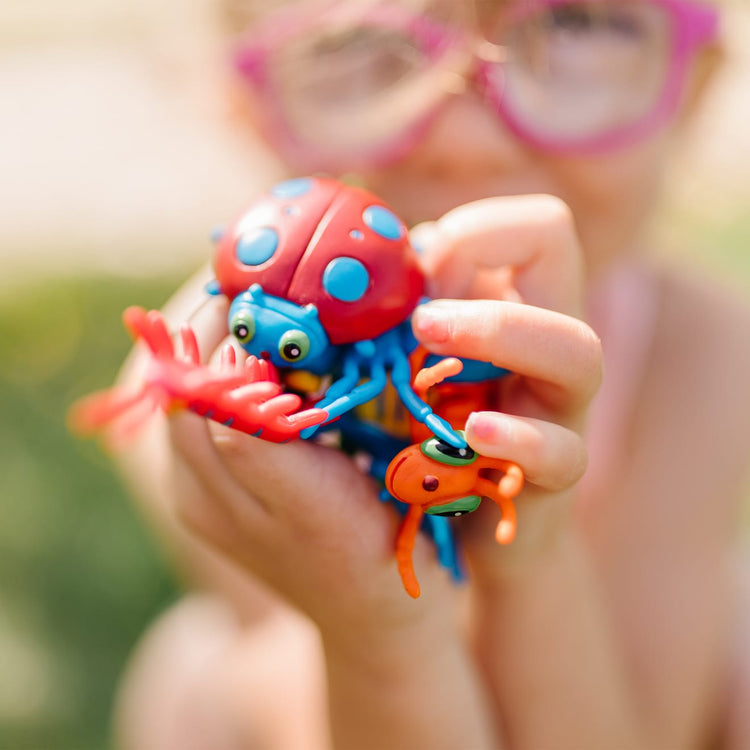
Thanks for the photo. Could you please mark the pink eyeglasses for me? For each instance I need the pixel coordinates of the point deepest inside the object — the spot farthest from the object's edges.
(350, 86)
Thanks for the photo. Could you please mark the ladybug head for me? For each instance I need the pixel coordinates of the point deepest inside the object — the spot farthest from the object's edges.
(318, 241)
(287, 334)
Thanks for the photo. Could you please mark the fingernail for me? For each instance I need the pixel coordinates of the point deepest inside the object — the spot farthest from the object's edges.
(487, 426)
(431, 324)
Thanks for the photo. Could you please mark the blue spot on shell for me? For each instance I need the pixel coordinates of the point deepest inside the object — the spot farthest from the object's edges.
(383, 222)
(213, 288)
(346, 279)
(357, 234)
(292, 188)
(257, 245)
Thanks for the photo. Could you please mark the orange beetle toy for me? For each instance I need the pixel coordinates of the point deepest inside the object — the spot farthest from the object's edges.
(439, 479)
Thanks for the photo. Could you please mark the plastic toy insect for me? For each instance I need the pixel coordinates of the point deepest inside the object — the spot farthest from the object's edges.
(249, 399)
(436, 480)
(322, 283)
(439, 479)
(323, 279)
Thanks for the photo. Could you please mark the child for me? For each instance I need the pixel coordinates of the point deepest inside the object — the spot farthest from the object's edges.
(527, 140)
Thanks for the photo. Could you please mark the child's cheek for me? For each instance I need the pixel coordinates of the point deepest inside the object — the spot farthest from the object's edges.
(612, 196)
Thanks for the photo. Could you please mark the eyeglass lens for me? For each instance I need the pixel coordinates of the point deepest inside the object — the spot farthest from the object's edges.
(580, 69)
(571, 70)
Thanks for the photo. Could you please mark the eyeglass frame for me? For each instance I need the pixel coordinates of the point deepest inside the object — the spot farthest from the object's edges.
(695, 24)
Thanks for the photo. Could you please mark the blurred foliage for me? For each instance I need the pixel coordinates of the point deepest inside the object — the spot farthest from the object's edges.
(718, 244)
(726, 247)
(79, 578)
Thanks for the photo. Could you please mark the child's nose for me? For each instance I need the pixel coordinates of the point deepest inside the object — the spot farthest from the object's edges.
(468, 136)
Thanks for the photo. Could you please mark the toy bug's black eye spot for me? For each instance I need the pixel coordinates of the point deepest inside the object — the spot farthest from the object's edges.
(461, 454)
(294, 345)
(430, 483)
(444, 453)
(243, 326)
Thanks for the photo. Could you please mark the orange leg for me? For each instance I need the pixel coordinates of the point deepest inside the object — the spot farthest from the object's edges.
(405, 540)
(506, 528)
(512, 482)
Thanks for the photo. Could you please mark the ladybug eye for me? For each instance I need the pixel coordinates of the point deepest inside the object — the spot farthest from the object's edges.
(243, 326)
(294, 345)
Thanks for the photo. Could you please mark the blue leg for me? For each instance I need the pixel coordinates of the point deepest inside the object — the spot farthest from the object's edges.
(345, 384)
(446, 545)
(401, 379)
(361, 394)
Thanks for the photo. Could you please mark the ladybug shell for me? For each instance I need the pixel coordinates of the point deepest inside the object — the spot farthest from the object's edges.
(318, 241)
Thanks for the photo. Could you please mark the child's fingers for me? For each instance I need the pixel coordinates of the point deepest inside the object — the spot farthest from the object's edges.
(552, 457)
(194, 446)
(532, 234)
(300, 482)
(201, 510)
(262, 484)
(209, 323)
(206, 314)
(561, 354)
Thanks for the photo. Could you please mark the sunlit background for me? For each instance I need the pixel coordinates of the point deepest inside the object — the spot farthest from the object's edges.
(116, 160)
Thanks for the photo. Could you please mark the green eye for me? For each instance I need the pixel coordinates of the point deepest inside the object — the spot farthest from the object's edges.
(294, 345)
(243, 326)
(447, 454)
(456, 508)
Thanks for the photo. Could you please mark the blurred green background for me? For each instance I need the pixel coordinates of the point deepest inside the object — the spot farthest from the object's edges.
(79, 579)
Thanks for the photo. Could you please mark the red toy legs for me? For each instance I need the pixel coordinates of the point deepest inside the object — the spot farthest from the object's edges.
(246, 397)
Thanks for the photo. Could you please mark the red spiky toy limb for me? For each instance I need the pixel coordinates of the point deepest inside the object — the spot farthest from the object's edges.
(246, 397)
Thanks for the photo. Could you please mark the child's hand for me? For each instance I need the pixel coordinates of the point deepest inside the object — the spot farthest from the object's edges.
(507, 251)
(300, 516)
(306, 521)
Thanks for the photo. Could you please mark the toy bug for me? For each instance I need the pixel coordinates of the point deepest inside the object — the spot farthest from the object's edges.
(323, 279)
(322, 282)
(434, 479)
(439, 479)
